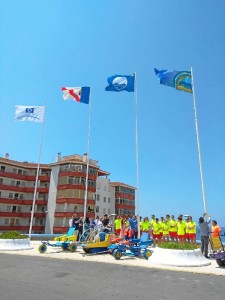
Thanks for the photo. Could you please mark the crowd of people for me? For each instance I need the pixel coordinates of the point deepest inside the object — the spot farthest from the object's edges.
(168, 228)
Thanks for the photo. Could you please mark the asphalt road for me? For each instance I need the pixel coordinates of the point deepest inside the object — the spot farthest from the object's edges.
(36, 278)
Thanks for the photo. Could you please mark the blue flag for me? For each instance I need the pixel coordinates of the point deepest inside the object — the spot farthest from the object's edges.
(118, 83)
(180, 80)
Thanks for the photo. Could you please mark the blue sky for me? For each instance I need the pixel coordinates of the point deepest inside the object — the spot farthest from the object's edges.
(49, 44)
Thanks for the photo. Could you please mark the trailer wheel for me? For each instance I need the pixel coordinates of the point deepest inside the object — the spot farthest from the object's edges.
(64, 246)
(73, 247)
(221, 262)
(147, 254)
(117, 254)
(42, 248)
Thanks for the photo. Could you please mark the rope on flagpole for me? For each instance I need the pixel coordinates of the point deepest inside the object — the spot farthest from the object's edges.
(37, 175)
(137, 159)
(87, 169)
(198, 143)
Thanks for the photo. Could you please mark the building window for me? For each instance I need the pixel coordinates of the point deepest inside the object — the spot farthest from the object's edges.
(18, 183)
(19, 209)
(104, 199)
(98, 197)
(8, 208)
(75, 208)
(1, 180)
(6, 221)
(10, 195)
(16, 196)
(3, 168)
(21, 196)
(20, 171)
(14, 208)
(109, 200)
(97, 209)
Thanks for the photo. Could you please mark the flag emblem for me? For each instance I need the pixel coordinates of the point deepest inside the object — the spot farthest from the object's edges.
(118, 83)
(180, 80)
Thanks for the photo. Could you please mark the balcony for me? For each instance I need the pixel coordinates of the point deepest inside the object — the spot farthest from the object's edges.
(22, 214)
(74, 201)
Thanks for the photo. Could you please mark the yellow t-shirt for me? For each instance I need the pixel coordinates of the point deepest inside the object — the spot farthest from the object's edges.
(118, 223)
(146, 225)
(165, 228)
(181, 228)
(173, 225)
(156, 228)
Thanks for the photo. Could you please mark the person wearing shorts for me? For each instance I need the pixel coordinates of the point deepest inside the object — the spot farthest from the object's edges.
(118, 225)
(181, 230)
(156, 232)
(173, 228)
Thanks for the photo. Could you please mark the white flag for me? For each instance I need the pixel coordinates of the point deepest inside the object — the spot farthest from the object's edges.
(30, 113)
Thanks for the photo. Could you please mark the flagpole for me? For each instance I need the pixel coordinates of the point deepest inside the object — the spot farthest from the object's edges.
(36, 181)
(137, 159)
(87, 169)
(198, 143)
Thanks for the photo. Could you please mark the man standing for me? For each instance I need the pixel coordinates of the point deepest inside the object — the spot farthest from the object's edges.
(204, 233)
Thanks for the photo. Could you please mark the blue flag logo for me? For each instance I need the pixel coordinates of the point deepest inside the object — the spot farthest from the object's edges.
(29, 110)
(118, 83)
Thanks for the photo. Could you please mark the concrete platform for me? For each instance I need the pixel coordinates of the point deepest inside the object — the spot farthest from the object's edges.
(57, 253)
(15, 244)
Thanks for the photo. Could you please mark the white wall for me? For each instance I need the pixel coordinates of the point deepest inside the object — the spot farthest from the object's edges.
(103, 189)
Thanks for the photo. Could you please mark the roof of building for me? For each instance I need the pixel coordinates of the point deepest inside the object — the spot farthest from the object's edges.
(24, 164)
(122, 184)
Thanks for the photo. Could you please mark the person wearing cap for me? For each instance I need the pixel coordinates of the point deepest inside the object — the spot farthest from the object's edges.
(173, 228)
(204, 233)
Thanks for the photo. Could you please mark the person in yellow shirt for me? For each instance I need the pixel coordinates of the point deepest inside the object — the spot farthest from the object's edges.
(181, 230)
(156, 231)
(191, 230)
(162, 220)
(146, 225)
(165, 230)
(118, 225)
(173, 228)
(151, 225)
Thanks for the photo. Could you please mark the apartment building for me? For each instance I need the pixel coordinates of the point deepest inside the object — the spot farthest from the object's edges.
(124, 199)
(17, 183)
(61, 192)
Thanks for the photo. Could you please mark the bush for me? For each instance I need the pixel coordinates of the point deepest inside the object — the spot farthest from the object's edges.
(13, 235)
(178, 246)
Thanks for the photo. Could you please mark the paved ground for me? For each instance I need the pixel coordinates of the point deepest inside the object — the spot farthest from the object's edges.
(212, 269)
(25, 277)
